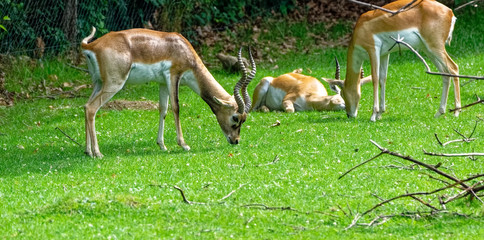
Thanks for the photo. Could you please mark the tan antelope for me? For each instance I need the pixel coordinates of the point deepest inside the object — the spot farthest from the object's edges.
(140, 56)
(292, 92)
(426, 24)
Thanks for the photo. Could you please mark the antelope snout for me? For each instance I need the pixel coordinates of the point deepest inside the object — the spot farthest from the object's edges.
(233, 140)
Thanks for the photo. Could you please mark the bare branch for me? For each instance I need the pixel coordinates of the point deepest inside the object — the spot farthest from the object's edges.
(466, 4)
(460, 184)
(400, 41)
(276, 159)
(468, 105)
(365, 162)
(453, 154)
(425, 203)
(265, 207)
(465, 192)
(408, 158)
(438, 140)
(384, 9)
(233, 191)
(464, 138)
(67, 136)
(201, 203)
(184, 198)
(373, 6)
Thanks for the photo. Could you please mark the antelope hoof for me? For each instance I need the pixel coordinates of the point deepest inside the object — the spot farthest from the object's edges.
(438, 114)
(162, 146)
(186, 147)
(97, 155)
(456, 113)
(88, 153)
(373, 117)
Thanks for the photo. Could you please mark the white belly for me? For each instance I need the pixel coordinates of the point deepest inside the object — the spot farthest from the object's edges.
(143, 73)
(274, 99)
(384, 44)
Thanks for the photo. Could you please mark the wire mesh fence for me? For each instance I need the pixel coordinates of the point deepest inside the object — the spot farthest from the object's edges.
(37, 27)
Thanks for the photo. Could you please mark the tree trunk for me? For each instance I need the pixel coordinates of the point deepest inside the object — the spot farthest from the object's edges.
(69, 20)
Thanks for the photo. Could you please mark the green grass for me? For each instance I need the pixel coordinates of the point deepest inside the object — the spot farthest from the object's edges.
(50, 190)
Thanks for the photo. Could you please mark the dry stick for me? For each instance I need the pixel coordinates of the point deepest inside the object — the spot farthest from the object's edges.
(400, 41)
(453, 154)
(184, 198)
(464, 138)
(466, 192)
(384, 9)
(467, 140)
(372, 6)
(425, 203)
(265, 207)
(466, 4)
(353, 168)
(468, 105)
(201, 203)
(423, 193)
(408, 158)
(68, 136)
(276, 159)
(233, 191)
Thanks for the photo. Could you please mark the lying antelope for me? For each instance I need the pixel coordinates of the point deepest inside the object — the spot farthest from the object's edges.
(424, 24)
(140, 56)
(292, 92)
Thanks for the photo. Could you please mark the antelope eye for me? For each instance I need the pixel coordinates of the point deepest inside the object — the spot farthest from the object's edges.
(235, 118)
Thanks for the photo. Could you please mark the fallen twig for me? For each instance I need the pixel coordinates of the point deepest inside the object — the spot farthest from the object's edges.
(466, 4)
(465, 189)
(468, 105)
(68, 136)
(184, 198)
(467, 140)
(264, 207)
(453, 154)
(276, 159)
(233, 191)
(202, 203)
(464, 138)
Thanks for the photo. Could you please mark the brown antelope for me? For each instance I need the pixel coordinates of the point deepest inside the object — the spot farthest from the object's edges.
(297, 92)
(294, 92)
(140, 56)
(426, 24)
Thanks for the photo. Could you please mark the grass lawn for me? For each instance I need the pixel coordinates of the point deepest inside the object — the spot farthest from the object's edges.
(50, 190)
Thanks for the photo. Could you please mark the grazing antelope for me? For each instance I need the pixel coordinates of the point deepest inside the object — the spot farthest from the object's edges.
(140, 56)
(297, 92)
(426, 24)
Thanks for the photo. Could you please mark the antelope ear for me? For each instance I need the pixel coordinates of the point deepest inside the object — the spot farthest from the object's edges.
(223, 103)
(334, 84)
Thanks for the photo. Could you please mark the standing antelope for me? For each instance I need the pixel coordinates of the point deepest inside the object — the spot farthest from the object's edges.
(425, 24)
(140, 56)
